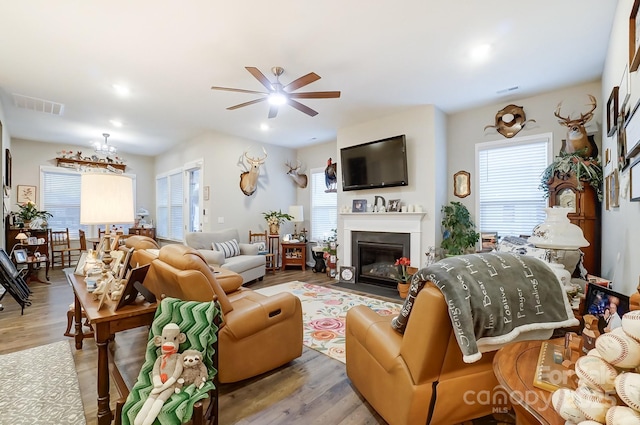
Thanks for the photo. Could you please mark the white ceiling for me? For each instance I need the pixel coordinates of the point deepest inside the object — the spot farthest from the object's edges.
(383, 55)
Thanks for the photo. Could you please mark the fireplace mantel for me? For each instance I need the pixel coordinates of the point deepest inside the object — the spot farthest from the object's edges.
(383, 222)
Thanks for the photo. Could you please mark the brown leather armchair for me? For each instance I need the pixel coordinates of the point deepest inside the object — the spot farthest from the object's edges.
(259, 333)
(140, 244)
(418, 377)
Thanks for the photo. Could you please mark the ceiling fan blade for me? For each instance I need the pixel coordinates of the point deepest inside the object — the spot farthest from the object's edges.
(273, 111)
(315, 95)
(237, 90)
(302, 81)
(302, 108)
(260, 77)
(251, 102)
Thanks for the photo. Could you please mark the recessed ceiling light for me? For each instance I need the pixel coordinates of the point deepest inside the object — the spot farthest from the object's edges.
(264, 127)
(481, 52)
(121, 90)
(116, 123)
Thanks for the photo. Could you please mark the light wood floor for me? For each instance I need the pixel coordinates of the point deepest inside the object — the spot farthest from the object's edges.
(313, 389)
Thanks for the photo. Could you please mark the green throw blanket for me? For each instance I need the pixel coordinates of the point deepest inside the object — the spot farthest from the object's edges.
(493, 299)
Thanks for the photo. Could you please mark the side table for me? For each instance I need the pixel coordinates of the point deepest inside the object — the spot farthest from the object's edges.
(294, 254)
(34, 264)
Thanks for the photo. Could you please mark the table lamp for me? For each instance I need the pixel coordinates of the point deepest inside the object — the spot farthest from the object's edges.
(106, 198)
(558, 233)
(297, 214)
(21, 237)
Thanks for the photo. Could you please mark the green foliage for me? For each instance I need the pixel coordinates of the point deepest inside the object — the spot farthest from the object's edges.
(276, 217)
(565, 165)
(458, 230)
(29, 211)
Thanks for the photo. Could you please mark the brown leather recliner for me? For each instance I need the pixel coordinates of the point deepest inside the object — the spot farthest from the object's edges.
(140, 244)
(418, 377)
(259, 333)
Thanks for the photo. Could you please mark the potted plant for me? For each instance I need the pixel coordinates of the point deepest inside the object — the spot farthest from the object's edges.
(586, 170)
(458, 230)
(275, 219)
(28, 212)
(404, 274)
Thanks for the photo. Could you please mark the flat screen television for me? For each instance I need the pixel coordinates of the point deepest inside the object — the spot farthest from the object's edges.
(381, 163)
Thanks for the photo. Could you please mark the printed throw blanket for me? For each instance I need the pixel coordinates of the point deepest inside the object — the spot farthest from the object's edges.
(493, 298)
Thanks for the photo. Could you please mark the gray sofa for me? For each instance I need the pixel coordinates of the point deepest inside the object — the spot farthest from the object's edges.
(249, 264)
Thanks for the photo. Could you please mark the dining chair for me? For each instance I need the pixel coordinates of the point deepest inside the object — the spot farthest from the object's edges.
(83, 240)
(60, 244)
(262, 238)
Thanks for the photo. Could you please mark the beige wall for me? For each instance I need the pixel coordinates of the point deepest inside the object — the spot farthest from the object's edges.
(620, 230)
(6, 144)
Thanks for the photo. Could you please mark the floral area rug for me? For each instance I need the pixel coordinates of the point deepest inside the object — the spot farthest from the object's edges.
(40, 386)
(324, 311)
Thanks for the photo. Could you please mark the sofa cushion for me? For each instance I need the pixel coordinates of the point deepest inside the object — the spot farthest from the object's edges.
(229, 248)
(241, 263)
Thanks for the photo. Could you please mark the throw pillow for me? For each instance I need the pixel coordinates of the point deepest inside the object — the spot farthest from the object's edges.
(229, 248)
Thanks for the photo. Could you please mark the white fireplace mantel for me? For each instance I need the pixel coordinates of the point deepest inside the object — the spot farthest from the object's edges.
(383, 222)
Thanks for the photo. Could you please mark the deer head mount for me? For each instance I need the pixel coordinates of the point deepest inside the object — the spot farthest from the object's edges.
(510, 120)
(249, 179)
(577, 139)
(299, 178)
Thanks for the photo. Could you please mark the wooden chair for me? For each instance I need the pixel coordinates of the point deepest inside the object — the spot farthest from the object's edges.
(60, 244)
(83, 240)
(254, 237)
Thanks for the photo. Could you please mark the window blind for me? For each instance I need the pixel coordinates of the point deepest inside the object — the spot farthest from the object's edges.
(510, 202)
(324, 207)
(61, 197)
(169, 206)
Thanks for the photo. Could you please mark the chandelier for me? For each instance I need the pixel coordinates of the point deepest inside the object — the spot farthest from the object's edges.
(104, 148)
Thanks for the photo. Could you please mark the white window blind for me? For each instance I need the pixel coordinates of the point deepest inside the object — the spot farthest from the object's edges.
(169, 206)
(510, 202)
(324, 207)
(61, 197)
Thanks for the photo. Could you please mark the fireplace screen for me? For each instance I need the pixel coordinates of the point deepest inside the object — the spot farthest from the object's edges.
(375, 254)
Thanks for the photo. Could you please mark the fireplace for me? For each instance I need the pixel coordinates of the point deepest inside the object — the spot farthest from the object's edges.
(374, 255)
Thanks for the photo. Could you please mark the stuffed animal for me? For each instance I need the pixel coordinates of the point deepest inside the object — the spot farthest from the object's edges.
(166, 371)
(194, 370)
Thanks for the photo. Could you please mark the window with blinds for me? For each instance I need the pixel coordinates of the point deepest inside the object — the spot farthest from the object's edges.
(169, 206)
(324, 207)
(509, 172)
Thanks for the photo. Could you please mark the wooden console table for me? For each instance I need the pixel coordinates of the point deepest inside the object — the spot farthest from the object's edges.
(106, 322)
(515, 367)
(294, 254)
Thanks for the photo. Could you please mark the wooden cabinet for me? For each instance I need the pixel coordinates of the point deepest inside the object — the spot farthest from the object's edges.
(11, 241)
(586, 215)
(294, 254)
(144, 231)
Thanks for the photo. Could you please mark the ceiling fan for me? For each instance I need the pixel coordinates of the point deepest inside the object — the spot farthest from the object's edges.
(279, 94)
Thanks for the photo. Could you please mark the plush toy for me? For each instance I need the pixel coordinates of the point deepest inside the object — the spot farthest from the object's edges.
(194, 370)
(166, 371)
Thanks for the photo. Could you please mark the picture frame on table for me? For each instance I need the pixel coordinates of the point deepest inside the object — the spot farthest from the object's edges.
(634, 181)
(20, 255)
(612, 112)
(134, 285)
(489, 240)
(26, 193)
(394, 205)
(359, 206)
(32, 240)
(634, 37)
(599, 315)
(347, 274)
(81, 263)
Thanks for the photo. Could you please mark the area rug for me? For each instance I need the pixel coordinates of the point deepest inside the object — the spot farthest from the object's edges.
(324, 311)
(40, 386)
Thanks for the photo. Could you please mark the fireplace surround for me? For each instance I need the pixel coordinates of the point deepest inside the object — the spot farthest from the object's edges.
(374, 255)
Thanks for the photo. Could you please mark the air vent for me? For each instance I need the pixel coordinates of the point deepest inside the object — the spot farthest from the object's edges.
(507, 90)
(38, 105)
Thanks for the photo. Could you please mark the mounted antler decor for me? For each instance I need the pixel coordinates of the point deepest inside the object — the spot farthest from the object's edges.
(299, 178)
(578, 142)
(249, 178)
(510, 120)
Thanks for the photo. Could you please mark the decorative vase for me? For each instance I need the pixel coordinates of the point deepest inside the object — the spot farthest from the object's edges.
(403, 289)
(27, 224)
(274, 229)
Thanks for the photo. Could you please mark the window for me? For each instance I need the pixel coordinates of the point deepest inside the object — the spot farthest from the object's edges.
(509, 171)
(169, 205)
(193, 175)
(324, 207)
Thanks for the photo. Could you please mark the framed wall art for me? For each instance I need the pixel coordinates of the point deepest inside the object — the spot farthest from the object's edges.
(7, 167)
(634, 181)
(612, 112)
(394, 205)
(462, 184)
(614, 187)
(632, 134)
(359, 206)
(624, 92)
(634, 37)
(26, 194)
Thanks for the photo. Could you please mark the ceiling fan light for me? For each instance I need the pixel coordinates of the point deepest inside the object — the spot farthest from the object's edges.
(277, 99)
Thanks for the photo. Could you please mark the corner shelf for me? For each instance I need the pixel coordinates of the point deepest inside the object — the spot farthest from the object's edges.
(81, 162)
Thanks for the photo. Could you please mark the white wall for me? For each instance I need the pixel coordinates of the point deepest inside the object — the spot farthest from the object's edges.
(222, 155)
(6, 144)
(620, 230)
(425, 130)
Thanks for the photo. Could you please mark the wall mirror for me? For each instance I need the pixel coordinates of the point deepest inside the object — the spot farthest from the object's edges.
(462, 184)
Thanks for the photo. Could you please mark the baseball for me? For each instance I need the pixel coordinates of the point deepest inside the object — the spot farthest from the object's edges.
(593, 404)
(622, 415)
(593, 352)
(631, 324)
(619, 349)
(587, 422)
(628, 389)
(562, 402)
(595, 373)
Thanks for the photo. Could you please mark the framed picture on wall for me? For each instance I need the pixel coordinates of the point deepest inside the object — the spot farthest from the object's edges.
(634, 181)
(634, 32)
(26, 194)
(7, 168)
(612, 112)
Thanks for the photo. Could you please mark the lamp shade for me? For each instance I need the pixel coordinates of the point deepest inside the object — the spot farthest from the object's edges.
(21, 237)
(106, 199)
(557, 232)
(297, 212)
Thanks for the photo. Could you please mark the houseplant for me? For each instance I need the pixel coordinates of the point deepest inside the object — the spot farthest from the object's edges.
(404, 276)
(586, 170)
(28, 212)
(458, 230)
(275, 219)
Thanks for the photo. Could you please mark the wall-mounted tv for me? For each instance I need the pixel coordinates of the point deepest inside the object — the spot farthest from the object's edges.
(381, 163)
